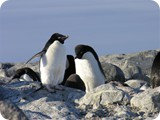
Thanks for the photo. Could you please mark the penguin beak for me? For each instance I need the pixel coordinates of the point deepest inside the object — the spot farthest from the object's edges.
(65, 37)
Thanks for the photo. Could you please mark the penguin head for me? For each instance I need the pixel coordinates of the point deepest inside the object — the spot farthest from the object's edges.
(59, 37)
(80, 50)
(55, 37)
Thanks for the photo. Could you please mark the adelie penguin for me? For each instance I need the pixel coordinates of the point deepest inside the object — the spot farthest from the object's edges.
(74, 81)
(26, 74)
(52, 61)
(155, 72)
(70, 68)
(88, 67)
(71, 79)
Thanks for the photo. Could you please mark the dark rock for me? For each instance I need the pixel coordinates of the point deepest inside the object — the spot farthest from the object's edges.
(112, 72)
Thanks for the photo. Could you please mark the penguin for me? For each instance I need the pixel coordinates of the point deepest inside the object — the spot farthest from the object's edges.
(27, 74)
(88, 67)
(70, 68)
(52, 61)
(74, 81)
(155, 72)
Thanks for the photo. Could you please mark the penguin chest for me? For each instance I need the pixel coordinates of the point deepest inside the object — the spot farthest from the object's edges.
(89, 72)
(52, 64)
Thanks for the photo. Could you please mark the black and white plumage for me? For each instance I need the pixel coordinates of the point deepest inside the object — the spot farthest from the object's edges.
(74, 81)
(26, 74)
(70, 68)
(155, 72)
(52, 61)
(88, 67)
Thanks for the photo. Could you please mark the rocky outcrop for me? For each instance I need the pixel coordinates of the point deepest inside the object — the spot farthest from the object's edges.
(135, 66)
(147, 101)
(104, 95)
(121, 98)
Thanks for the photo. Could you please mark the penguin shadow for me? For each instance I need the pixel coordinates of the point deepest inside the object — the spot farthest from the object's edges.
(39, 114)
(25, 96)
(59, 99)
(8, 104)
(9, 99)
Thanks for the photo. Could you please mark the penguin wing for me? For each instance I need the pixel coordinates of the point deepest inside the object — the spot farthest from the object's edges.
(36, 55)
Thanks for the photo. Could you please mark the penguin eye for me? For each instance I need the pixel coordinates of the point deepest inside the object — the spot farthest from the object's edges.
(59, 38)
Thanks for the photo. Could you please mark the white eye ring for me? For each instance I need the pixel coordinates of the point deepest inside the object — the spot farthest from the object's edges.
(59, 37)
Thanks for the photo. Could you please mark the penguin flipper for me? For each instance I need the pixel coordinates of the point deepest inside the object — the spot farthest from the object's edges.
(36, 55)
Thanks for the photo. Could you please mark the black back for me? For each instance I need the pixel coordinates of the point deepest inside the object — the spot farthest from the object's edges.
(56, 36)
(80, 50)
(155, 72)
(27, 71)
(74, 81)
(71, 68)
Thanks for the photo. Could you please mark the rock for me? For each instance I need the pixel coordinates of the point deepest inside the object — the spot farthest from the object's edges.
(136, 84)
(3, 68)
(135, 65)
(11, 71)
(103, 95)
(96, 114)
(145, 86)
(130, 70)
(10, 111)
(2, 73)
(112, 72)
(49, 109)
(113, 100)
(147, 101)
(6, 66)
(124, 112)
(42, 104)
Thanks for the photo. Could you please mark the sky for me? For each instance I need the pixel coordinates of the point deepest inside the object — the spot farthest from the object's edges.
(109, 26)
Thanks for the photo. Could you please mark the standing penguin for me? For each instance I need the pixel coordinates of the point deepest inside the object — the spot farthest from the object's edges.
(155, 72)
(52, 61)
(27, 74)
(88, 67)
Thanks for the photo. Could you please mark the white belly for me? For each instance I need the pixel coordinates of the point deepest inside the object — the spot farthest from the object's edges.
(52, 65)
(27, 78)
(89, 72)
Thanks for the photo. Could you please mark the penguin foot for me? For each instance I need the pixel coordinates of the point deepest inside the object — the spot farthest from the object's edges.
(50, 88)
(53, 89)
(59, 87)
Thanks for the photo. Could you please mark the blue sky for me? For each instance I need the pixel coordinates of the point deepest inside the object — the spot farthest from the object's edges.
(109, 26)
